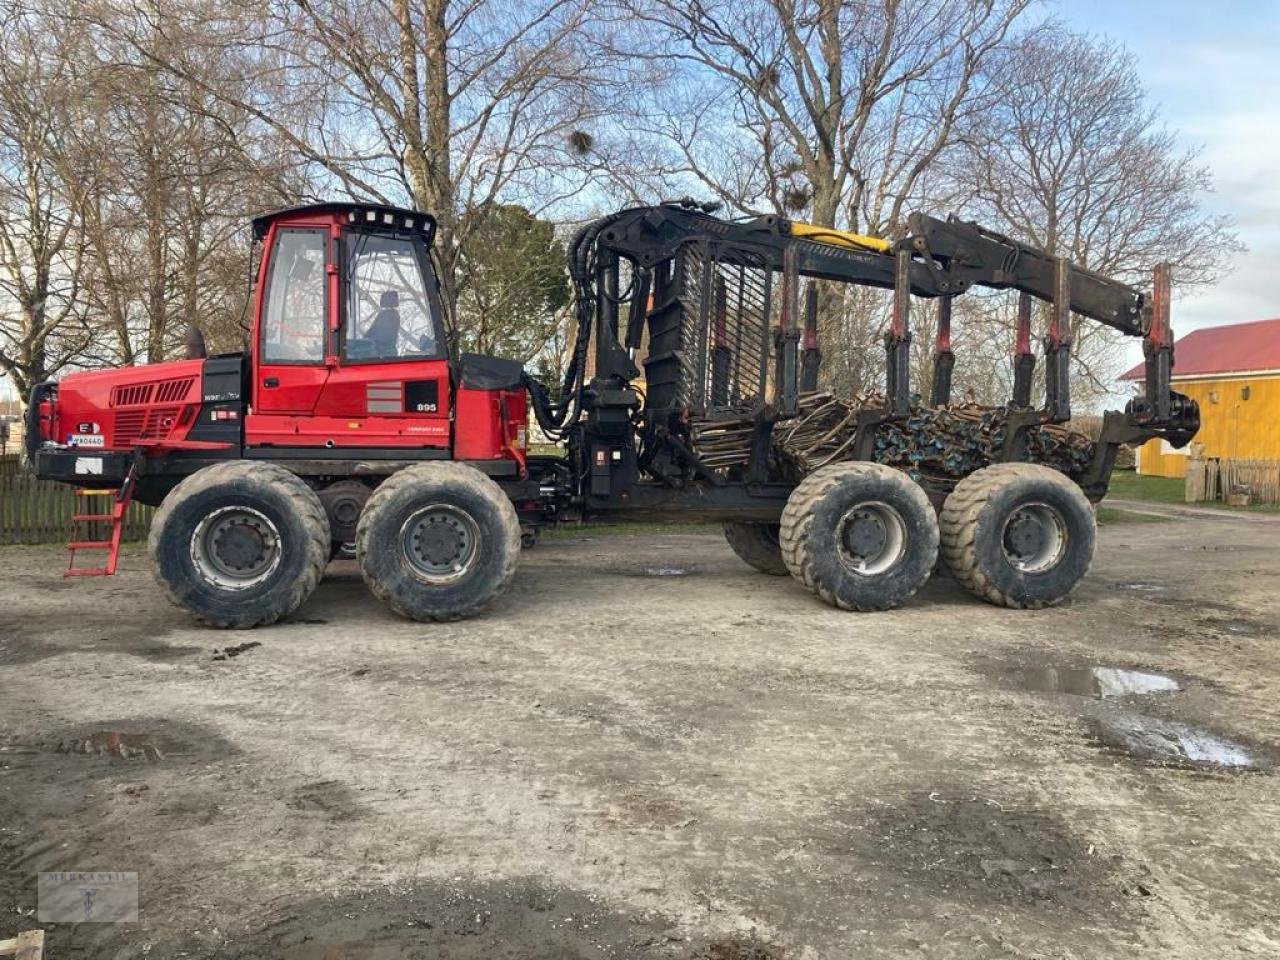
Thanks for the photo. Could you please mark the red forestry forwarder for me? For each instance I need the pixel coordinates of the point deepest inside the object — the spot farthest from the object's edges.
(348, 427)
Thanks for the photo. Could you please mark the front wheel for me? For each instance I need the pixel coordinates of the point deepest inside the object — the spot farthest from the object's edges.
(438, 541)
(240, 544)
(862, 536)
(1018, 534)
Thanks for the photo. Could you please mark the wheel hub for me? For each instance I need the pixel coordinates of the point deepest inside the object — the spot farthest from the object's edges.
(1034, 538)
(440, 542)
(235, 547)
(1025, 536)
(872, 537)
(865, 534)
(239, 546)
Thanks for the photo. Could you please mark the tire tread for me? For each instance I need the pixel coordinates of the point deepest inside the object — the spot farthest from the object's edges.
(958, 523)
(304, 501)
(797, 519)
(464, 476)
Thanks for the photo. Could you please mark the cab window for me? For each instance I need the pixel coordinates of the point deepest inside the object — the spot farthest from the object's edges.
(389, 315)
(294, 328)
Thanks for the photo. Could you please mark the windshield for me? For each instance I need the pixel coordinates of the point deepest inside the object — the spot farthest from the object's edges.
(389, 313)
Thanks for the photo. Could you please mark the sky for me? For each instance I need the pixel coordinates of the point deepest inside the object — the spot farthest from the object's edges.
(1209, 67)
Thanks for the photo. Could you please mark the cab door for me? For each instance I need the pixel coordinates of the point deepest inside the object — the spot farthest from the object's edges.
(293, 323)
(390, 386)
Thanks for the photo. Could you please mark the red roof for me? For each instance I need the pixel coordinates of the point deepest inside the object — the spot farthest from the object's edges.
(1233, 348)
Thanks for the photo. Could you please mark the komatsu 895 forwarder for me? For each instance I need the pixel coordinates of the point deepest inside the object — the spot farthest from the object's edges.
(692, 393)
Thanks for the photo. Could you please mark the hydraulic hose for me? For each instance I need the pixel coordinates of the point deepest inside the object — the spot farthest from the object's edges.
(554, 418)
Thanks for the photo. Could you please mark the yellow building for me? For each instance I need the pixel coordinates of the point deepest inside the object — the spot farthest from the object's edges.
(1233, 372)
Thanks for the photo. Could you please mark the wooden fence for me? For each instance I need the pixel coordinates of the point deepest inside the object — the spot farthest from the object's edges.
(39, 511)
(1211, 478)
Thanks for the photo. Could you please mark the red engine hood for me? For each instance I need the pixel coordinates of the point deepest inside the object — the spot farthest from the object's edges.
(115, 409)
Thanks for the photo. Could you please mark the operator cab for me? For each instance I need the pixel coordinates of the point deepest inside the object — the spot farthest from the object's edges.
(348, 363)
(349, 334)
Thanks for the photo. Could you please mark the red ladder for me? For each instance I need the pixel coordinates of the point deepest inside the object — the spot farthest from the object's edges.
(85, 512)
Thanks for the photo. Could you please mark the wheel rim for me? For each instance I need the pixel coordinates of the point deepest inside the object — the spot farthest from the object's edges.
(440, 543)
(872, 538)
(236, 547)
(1034, 538)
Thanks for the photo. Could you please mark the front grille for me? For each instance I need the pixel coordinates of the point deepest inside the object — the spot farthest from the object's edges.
(140, 394)
(171, 391)
(154, 424)
(128, 427)
(131, 395)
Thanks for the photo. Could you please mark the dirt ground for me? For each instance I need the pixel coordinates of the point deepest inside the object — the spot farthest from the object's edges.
(648, 750)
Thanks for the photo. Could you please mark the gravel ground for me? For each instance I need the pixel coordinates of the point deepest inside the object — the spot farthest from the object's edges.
(648, 750)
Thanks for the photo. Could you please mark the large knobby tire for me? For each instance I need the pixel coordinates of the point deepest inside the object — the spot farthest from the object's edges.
(1018, 534)
(438, 541)
(862, 536)
(757, 544)
(240, 544)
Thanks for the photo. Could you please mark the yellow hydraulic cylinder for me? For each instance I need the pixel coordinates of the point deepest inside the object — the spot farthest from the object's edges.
(839, 238)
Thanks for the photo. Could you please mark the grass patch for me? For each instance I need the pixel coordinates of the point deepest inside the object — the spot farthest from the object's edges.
(1110, 515)
(1128, 485)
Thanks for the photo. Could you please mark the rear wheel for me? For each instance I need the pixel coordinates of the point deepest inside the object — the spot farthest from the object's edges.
(1018, 534)
(757, 545)
(862, 536)
(438, 541)
(240, 544)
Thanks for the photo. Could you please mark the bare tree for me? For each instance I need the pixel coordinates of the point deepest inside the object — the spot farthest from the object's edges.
(452, 107)
(832, 108)
(838, 112)
(43, 186)
(1069, 156)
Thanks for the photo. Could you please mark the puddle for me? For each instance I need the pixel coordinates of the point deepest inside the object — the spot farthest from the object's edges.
(458, 919)
(118, 746)
(1139, 586)
(1170, 742)
(959, 842)
(17, 648)
(149, 740)
(331, 798)
(234, 651)
(1236, 625)
(667, 571)
(1100, 683)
